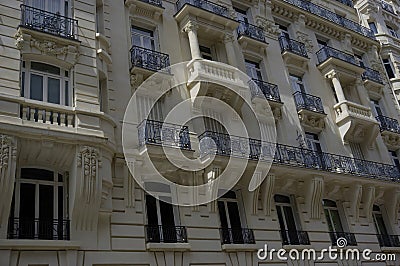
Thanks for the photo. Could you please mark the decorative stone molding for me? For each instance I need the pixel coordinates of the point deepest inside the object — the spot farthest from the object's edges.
(270, 28)
(8, 161)
(355, 201)
(267, 189)
(391, 140)
(368, 199)
(312, 121)
(144, 10)
(304, 38)
(392, 203)
(314, 194)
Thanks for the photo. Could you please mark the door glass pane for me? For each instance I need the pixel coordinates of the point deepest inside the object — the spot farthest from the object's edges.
(46, 211)
(234, 216)
(53, 90)
(37, 174)
(290, 222)
(337, 224)
(36, 90)
(153, 234)
(168, 222)
(222, 214)
(380, 224)
(27, 211)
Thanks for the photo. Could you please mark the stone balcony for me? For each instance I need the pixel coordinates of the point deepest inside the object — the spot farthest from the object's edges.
(250, 35)
(373, 82)
(390, 131)
(294, 54)
(356, 123)
(311, 111)
(270, 92)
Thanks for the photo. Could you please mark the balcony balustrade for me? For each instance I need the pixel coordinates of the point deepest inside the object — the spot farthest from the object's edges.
(292, 46)
(327, 52)
(30, 228)
(308, 102)
(252, 149)
(205, 5)
(351, 239)
(372, 75)
(346, 2)
(159, 133)
(266, 89)
(237, 236)
(157, 3)
(49, 114)
(294, 237)
(51, 23)
(388, 240)
(332, 17)
(148, 59)
(388, 124)
(388, 7)
(165, 234)
(252, 31)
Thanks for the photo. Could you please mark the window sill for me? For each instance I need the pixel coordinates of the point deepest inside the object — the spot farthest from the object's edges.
(239, 247)
(168, 246)
(28, 244)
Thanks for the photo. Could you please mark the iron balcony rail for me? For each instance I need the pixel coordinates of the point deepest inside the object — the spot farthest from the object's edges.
(237, 236)
(294, 237)
(373, 75)
(52, 23)
(165, 234)
(292, 46)
(346, 2)
(30, 228)
(388, 124)
(388, 7)
(326, 52)
(350, 237)
(206, 5)
(250, 30)
(148, 59)
(252, 149)
(332, 17)
(153, 2)
(264, 89)
(160, 133)
(388, 240)
(308, 102)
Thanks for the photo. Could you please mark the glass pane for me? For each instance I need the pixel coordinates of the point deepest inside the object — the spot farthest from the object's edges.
(46, 211)
(66, 93)
(280, 218)
(328, 219)
(27, 211)
(53, 90)
(290, 222)
(36, 90)
(151, 205)
(23, 84)
(45, 68)
(380, 224)
(337, 224)
(37, 174)
(234, 216)
(222, 214)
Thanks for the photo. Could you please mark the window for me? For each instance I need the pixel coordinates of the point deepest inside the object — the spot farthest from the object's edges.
(372, 26)
(47, 83)
(143, 38)
(54, 6)
(103, 95)
(321, 43)
(99, 17)
(253, 70)
(39, 208)
(297, 83)
(395, 158)
(284, 31)
(377, 110)
(241, 15)
(313, 142)
(388, 67)
(392, 31)
(206, 52)
(359, 60)
(356, 150)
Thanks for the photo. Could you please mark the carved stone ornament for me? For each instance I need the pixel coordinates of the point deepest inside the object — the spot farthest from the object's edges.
(269, 26)
(89, 160)
(302, 37)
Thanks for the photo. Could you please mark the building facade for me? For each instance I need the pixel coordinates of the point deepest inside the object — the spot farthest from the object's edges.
(68, 69)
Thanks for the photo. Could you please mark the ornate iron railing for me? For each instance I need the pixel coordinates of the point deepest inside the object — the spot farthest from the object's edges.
(388, 240)
(294, 237)
(388, 124)
(264, 89)
(52, 23)
(237, 236)
(332, 17)
(373, 75)
(350, 237)
(346, 2)
(30, 228)
(250, 30)
(308, 102)
(159, 133)
(326, 52)
(388, 7)
(225, 145)
(153, 2)
(148, 59)
(206, 5)
(165, 234)
(292, 46)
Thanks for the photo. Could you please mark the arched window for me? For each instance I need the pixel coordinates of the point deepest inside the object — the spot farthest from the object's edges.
(39, 208)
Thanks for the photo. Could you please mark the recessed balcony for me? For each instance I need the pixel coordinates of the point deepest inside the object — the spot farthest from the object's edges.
(356, 123)
(390, 131)
(373, 82)
(206, 11)
(146, 62)
(294, 237)
(388, 240)
(50, 23)
(43, 229)
(250, 35)
(351, 239)
(294, 53)
(237, 236)
(269, 91)
(331, 59)
(310, 110)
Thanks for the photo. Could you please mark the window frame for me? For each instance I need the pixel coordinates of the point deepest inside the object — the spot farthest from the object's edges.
(387, 64)
(256, 67)
(139, 29)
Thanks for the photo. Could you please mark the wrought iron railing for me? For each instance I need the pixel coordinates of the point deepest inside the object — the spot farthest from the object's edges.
(350, 238)
(250, 30)
(326, 52)
(388, 124)
(294, 237)
(252, 149)
(292, 46)
(264, 89)
(159, 133)
(206, 5)
(388, 7)
(153, 2)
(388, 240)
(148, 59)
(346, 2)
(165, 234)
(237, 236)
(308, 102)
(30, 228)
(373, 75)
(332, 17)
(52, 23)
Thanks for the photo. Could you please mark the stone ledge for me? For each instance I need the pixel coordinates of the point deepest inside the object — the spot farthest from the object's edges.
(239, 247)
(27, 244)
(168, 246)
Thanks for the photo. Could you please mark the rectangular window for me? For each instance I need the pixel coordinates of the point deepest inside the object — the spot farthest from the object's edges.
(322, 43)
(284, 31)
(36, 90)
(313, 142)
(297, 83)
(206, 52)
(395, 158)
(241, 15)
(372, 26)
(377, 110)
(53, 90)
(359, 60)
(253, 70)
(143, 38)
(392, 31)
(388, 67)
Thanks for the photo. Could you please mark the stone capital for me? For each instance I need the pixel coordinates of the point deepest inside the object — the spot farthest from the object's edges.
(191, 25)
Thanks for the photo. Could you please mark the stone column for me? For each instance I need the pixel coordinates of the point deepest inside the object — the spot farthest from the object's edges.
(230, 50)
(338, 87)
(191, 30)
